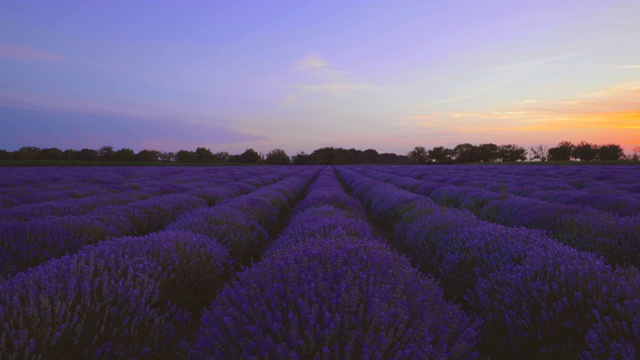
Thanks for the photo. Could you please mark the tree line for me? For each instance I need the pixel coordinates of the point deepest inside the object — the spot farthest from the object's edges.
(462, 153)
(487, 153)
(326, 155)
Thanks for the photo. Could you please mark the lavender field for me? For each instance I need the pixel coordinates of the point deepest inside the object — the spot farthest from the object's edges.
(311, 262)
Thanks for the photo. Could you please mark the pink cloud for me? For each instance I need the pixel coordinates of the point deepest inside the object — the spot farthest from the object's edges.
(24, 53)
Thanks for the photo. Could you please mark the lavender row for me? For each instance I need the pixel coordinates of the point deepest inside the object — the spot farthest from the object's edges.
(28, 243)
(530, 178)
(137, 297)
(245, 224)
(535, 298)
(600, 195)
(125, 298)
(330, 290)
(105, 182)
(616, 239)
(325, 212)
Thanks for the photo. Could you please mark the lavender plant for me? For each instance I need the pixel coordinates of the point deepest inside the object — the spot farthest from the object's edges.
(334, 299)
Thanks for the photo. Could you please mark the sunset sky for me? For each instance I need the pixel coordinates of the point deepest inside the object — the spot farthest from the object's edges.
(299, 75)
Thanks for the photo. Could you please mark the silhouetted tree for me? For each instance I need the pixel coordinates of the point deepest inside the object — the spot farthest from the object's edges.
(539, 152)
(331, 155)
(250, 156)
(466, 153)
(610, 152)
(441, 155)
(562, 152)
(487, 152)
(302, 158)
(585, 151)
(87, 155)
(370, 156)
(511, 153)
(221, 157)
(204, 155)
(148, 155)
(186, 156)
(418, 155)
(124, 154)
(106, 153)
(5, 155)
(636, 153)
(28, 153)
(167, 156)
(50, 154)
(68, 154)
(277, 157)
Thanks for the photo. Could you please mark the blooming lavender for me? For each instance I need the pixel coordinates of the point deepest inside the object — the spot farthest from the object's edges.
(244, 237)
(125, 298)
(321, 222)
(535, 297)
(334, 299)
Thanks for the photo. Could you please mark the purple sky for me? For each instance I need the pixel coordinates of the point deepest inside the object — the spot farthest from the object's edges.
(388, 75)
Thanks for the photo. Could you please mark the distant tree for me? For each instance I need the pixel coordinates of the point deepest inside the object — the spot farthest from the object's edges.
(29, 153)
(391, 158)
(331, 155)
(585, 151)
(418, 155)
(539, 152)
(106, 153)
(221, 157)
(610, 152)
(148, 155)
(466, 153)
(124, 154)
(87, 154)
(488, 152)
(277, 157)
(167, 157)
(636, 154)
(6, 155)
(68, 154)
(204, 155)
(562, 152)
(301, 158)
(250, 156)
(186, 156)
(50, 154)
(441, 155)
(511, 153)
(370, 156)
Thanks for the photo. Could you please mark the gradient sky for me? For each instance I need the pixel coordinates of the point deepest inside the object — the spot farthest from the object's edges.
(299, 75)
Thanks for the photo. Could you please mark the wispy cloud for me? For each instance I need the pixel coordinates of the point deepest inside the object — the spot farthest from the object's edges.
(637, 66)
(496, 77)
(24, 53)
(335, 87)
(326, 79)
(529, 65)
(315, 63)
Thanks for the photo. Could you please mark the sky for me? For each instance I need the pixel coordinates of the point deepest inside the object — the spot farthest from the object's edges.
(300, 75)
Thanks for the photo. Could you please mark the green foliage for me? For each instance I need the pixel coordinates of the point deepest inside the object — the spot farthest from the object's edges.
(562, 152)
(585, 151)
(124, 154)
(250, 156)
(610, 152)
(418, 155)
(148, 155)
(278, 157)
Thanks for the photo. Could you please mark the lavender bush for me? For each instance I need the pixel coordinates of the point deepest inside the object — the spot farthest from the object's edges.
(334, 299)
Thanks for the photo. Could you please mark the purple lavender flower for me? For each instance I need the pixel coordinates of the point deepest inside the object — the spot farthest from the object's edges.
(333, 299)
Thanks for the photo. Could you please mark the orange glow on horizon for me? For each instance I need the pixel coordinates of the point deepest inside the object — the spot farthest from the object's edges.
(611, 115)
